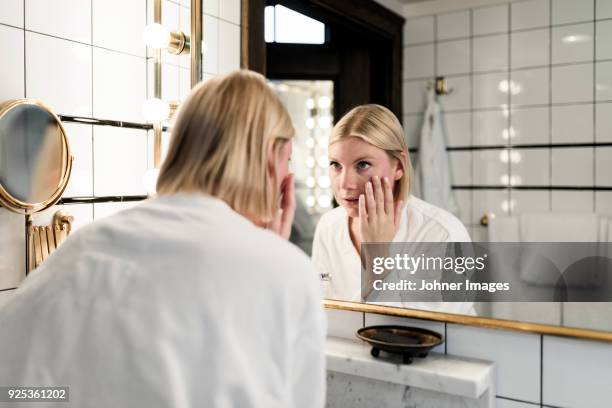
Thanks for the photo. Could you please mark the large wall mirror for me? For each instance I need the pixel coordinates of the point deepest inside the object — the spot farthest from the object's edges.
(336, 45)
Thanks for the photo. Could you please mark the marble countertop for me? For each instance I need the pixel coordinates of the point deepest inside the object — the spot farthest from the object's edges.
(437, 372)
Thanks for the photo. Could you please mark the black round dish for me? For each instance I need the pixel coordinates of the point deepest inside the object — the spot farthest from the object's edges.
(410, 342)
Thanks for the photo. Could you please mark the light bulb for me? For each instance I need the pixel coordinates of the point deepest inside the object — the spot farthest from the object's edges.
(156, 36)
(155, 110)
(324, 102)
(325, 122)
(310, 123)
(324, 182)
(310, 103)
(310, 182)
(150, 181)
(310, 162)
(323, 161)
(310, 201)
(310, 142)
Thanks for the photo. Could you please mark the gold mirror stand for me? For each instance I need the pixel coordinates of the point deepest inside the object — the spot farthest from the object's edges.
(43, 240)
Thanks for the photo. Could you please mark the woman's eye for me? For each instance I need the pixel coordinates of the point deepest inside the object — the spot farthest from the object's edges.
(363, 165)
(334, 165)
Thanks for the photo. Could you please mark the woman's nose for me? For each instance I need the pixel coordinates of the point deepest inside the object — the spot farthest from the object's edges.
(348, 180)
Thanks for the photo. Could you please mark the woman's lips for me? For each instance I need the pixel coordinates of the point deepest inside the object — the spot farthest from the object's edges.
(352, 201)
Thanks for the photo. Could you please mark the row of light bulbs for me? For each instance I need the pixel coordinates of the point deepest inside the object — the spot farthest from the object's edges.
(156, 36)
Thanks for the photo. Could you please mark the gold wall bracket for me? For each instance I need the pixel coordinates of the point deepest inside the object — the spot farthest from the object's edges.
(43, 240)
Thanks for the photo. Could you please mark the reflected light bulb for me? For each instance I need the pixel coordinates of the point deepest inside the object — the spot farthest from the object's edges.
(155, 110)
(156, 36)
(324, 102)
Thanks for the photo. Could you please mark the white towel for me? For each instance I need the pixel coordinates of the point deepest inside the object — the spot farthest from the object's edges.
(433, 178)
(557, 227)
(503, 229)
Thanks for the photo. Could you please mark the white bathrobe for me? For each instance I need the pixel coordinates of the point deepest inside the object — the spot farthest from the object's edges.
(177, 302)
(432, 180)
(334, 256)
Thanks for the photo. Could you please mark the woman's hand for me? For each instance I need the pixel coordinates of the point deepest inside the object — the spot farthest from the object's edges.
(379, 216)
(281, 224)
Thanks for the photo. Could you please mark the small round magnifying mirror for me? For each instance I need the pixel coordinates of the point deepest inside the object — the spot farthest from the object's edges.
(35, 159)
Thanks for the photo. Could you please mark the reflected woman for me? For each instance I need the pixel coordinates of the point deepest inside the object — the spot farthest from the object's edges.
(370, 172)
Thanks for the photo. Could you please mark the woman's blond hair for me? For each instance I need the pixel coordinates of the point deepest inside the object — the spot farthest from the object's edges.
(221, 140)
(378, 126)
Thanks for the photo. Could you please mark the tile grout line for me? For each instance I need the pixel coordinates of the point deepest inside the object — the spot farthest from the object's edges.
(510, 114)
(93, 167)
(594, 174)
(550, 106)
(541, 369)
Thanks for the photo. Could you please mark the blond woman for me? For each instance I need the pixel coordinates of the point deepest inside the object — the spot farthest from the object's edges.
(185, 300)
(370, 173)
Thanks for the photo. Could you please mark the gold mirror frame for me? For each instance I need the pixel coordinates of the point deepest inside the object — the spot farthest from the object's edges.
(485, 322)
(24, 208)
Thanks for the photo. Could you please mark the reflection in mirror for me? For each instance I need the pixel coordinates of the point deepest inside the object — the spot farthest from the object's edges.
(310, 104)
(32, 158)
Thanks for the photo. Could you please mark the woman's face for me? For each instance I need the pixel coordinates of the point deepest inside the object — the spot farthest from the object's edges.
(352, 163)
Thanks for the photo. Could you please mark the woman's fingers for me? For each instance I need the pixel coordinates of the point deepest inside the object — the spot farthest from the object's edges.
(370, 201)
(379, 196)
(363, 213)
(388, 197)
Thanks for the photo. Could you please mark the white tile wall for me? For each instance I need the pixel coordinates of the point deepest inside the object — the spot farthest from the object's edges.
(229, 10)
(604, 45)
(419, 30)
(11, 12)
(529, 125)
(517, 373)
(572, 83)
(121, 31)
(490, 128)
(70, 19)
(572, 124)
(572, 167)
(604, 9)
(572, 201)
(457, 128)
(418, 61)
(488, 90)
(229, 53)
(527, 48)
(490, 20)
(529, 87)
(526, 167)
(572, 43)
(210, 37)
(603, 122)
(453, 25)
(11, 69)
(412, 129)
(490, 53)
(530, 14)
(570, 11)
(119, 171)
(58, 72)
(565, 362)
(115, 74)
(603, 86)
(453, 57)
(343, 323)
(81, 143)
